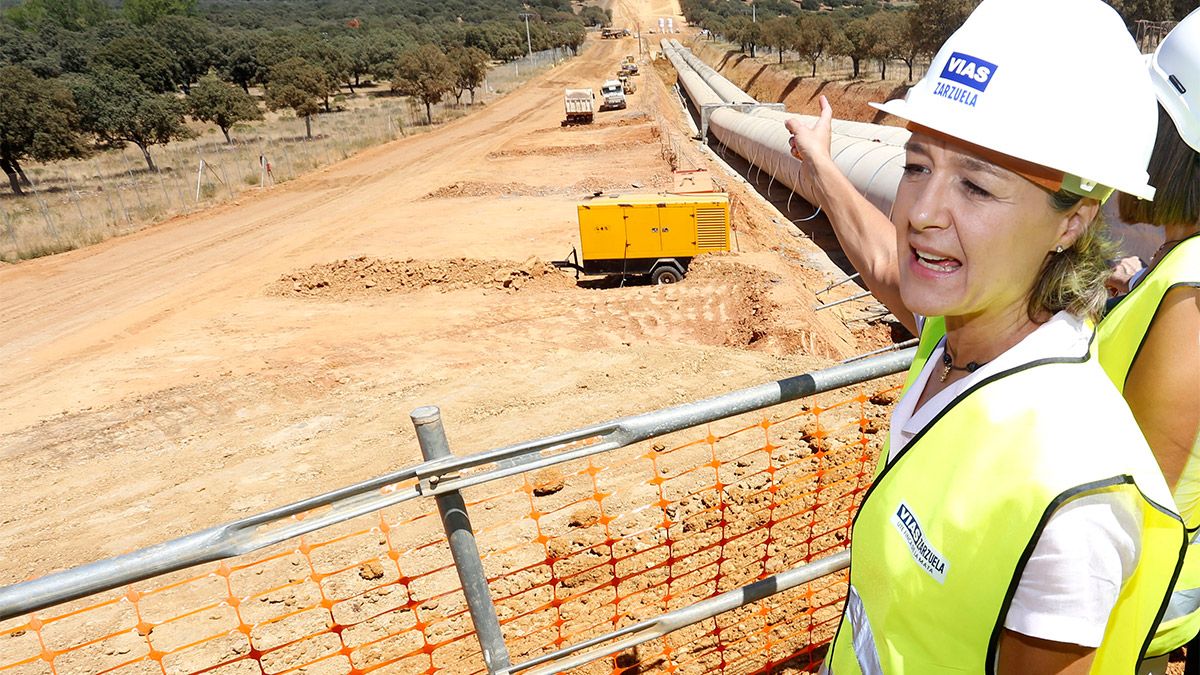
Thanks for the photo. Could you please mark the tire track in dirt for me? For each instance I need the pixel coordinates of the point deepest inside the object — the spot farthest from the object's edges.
(232, 244)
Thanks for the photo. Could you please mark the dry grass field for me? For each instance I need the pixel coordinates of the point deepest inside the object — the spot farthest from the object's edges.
(261, 350)
(77, 203)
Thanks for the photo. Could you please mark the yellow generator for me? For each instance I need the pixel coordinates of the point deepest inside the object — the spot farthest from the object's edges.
(653, 234)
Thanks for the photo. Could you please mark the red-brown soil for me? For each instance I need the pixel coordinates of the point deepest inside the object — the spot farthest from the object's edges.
(257, 353)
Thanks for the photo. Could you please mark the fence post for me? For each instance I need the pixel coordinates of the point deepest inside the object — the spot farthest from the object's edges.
(199, 179)
(432, 438)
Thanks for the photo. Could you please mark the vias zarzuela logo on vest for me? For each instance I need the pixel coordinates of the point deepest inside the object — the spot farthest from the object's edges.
(925, 555)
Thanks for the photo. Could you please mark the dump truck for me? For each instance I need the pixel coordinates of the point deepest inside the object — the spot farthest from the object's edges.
(614, 33)
(612, 94)
(655, 234)
(580, 106)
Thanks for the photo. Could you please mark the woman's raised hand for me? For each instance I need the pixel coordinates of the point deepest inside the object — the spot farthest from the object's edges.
(811, 146)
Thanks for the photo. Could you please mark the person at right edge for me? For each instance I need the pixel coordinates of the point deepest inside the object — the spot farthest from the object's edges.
(1166, 398)
(1018, 522)
(1149, 343)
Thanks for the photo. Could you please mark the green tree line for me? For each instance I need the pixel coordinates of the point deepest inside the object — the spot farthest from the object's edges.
(77, 76)
(865, 30)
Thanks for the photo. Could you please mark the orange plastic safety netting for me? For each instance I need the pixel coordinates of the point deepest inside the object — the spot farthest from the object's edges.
(571, 552)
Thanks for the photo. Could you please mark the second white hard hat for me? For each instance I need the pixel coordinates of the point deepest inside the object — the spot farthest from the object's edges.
(1175, 72)
(1059, 83)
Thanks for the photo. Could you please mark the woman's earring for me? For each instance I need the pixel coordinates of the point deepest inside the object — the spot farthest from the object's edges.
(1059, 249)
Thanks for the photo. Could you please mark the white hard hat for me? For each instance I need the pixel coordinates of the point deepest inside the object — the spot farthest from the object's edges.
(1175, 72)
(1057, 83)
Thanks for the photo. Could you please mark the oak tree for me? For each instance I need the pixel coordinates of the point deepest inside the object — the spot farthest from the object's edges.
(424, 73)
(221, 103)
(191, 41)
(146, 12)
(858, 43)
(470, 66)
(931, 22)
(299, 85)
(118, 108)
(815, 38)
(38, 121)
(143, 56)
(781, 34)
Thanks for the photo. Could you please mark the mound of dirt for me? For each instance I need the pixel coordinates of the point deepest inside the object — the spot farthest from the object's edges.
(557, 150)
(594, 184)
(750, 322)
(636, 118)
(484, 189)
(757, 322)
(589, 185)
(365, 276)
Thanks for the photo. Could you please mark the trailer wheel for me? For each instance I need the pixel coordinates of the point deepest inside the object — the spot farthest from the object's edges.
(666, 275)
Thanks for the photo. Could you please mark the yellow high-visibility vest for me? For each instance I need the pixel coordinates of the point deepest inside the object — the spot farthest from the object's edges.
(942, 537)
(1120, 336)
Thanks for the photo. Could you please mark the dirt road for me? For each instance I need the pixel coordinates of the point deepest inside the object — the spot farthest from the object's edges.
(267, 350)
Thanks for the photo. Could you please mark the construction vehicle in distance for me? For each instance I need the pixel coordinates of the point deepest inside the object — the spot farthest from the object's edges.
(608, 33)
(580, 106)
(628, 66)
(627, 84)
(654, 234)
(612, 95)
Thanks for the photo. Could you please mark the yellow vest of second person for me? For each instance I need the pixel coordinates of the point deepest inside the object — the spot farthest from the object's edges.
(1120, 336)
(942, 536)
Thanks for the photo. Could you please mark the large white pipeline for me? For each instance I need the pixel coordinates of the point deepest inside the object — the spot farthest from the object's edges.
(871, 155)
(731, 93)
(728, 91)
(880, 133)
(697, 90)
(874, 168)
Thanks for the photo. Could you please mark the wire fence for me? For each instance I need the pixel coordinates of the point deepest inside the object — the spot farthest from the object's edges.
(76, 203)
(505, 77)
(594, 544)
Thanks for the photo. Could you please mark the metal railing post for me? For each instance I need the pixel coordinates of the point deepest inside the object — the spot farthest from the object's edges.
(432, 438)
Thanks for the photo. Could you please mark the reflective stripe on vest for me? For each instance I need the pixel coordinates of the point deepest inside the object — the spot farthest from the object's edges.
(1185, 598)
(933, 591)
(1120, 336)
(1181, 621)
(865, 651)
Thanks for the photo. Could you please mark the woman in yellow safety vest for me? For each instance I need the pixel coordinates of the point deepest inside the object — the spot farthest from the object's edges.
(1149, 343)
(1019, 523)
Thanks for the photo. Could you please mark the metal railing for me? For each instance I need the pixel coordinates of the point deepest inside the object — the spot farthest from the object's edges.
(443, 476)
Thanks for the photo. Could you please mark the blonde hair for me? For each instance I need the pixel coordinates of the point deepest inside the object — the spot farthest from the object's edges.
(1074, 279)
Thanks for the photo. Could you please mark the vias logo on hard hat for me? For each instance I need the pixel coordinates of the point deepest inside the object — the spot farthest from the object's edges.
(966, 70)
